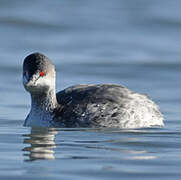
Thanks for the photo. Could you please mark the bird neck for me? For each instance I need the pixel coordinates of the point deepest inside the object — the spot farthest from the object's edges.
(45, 102)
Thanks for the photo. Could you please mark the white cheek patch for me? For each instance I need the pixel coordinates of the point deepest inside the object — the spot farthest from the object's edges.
(32, 81)
(45, 81)
(38, 83)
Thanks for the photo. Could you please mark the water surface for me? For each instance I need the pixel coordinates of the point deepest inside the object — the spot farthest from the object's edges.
(135, 44)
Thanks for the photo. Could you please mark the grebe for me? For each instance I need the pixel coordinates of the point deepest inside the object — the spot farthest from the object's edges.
(97, 106)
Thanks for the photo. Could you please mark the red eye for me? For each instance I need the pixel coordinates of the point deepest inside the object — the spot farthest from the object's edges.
(42, 73)
(24, 73)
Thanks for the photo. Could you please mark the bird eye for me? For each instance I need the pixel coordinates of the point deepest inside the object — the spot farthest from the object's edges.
(42, 73)
(24, 73)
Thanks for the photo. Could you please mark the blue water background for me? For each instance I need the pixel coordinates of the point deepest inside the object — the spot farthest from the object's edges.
(133, 43)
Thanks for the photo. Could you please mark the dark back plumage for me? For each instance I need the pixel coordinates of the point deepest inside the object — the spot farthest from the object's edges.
(74, 102)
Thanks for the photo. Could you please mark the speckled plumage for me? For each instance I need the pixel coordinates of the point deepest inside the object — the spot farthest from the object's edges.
(102, 105)
(106, 105)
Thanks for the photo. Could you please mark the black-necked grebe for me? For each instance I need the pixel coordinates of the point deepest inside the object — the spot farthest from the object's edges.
(102, 105)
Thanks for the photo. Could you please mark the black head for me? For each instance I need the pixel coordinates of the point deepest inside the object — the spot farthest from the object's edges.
(36, 62)
(38, 72)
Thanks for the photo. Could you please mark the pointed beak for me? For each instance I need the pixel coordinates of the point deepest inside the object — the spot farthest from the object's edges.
(30, 81)
(26, 78)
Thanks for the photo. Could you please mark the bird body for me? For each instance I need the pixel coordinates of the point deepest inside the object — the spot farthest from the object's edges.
(92, 106)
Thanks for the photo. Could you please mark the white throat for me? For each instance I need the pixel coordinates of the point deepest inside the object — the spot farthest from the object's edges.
(42, 107)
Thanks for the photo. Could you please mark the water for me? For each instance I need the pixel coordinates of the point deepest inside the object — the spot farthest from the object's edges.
(133, 43)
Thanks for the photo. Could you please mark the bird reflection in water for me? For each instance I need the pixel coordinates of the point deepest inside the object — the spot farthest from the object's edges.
(41, 144)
